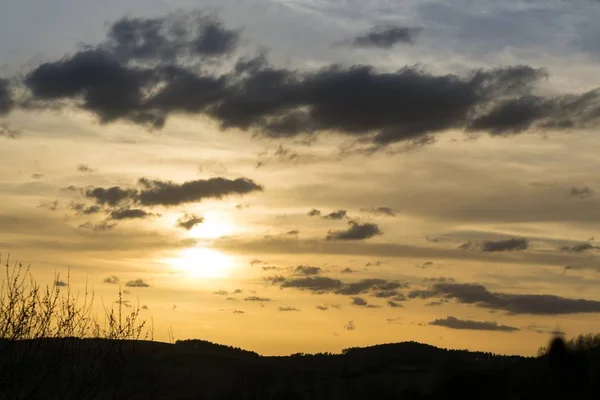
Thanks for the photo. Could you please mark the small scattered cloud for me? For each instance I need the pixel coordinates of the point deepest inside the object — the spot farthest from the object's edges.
(356, 231)
(322, 308)
(582, 192)
(314, 213)
(138, 283)
(579, 248)
(52, 206)
(455, 323)
(144, 307)
(85, 168)
(84, 209)
(239, 312)
(294, 232)
(350, 326)
(112, 280)
(336, 215)
(347, 271)
(385, 37)
(257, 299)
(514, 244)
(130, 213)
(359, 301)
(188, 221)
(221, 293)
(385, 211)
(37, 176)
(59, 283)
(103, 226)
(393, 304)
(306, 270)
(434, 304)
(287, 309)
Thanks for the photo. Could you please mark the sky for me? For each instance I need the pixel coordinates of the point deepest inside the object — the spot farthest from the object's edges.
(310, 175)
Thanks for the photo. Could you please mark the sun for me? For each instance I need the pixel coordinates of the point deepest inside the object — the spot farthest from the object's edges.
(201, 262)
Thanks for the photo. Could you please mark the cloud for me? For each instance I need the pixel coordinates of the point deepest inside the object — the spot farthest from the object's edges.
(322, 308)
(359, 301)
(130, 213)
(385, 37)
(386, 211)
(347, 271)
(314, 213)
(294, 232)
(59, 283)
(144, 307)
(113, 280)
(103, 226)
(84, 209)
(581, 193)
(393, 304)
(336, 215)
(455, 323)
(257, 299)
(221, 292)
(138, 283)
(317, 284)
(513, 244)
(85, 168)
(286, 309)
(161, 39)
(167, 193)
(357, 231)
(239, 312)
(579, 248)
(434, 304)
(188, 221)
(350, 326)
(306, 270)
(8, 132)
(535, 304)
(6, 99)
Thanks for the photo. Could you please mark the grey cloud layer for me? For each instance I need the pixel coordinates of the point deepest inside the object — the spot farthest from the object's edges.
(480, 296)
(141, 74)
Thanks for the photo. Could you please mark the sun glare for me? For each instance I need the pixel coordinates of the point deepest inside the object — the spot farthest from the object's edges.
(201, 262)
(215, 225)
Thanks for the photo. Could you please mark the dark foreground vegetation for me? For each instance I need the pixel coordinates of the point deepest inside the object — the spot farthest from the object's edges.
(51, 347)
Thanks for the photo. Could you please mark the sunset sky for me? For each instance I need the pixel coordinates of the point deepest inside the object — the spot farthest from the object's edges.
(310, 175)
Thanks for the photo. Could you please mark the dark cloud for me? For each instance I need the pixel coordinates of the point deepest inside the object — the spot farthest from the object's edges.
(144, 307)
(270, 268)
(162, 39)
(275, 279)
(257, 299)
(59, 283)
(317, 284)
(357, 231)
(359, 301)
(85, 168)
(148, 69)
(167, 193)
(6, 99)
(306, 270)
(581, 193)
(386, 37)
(535, 304)
(336, 215)
(237, 291)
(113, 280)
(294, 232)
(380, 211)
(314, 213)
(239, 312)
(322, 308)
(188, 221)
(513, 244)
(579, 248)
(84, 209)
(286, 309)
(347, 271)
(130, 213)
(138, 283)
(455, 323)
(98, 227)
(393, 304)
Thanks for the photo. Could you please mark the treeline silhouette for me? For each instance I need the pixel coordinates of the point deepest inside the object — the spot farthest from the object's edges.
(52, 348)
